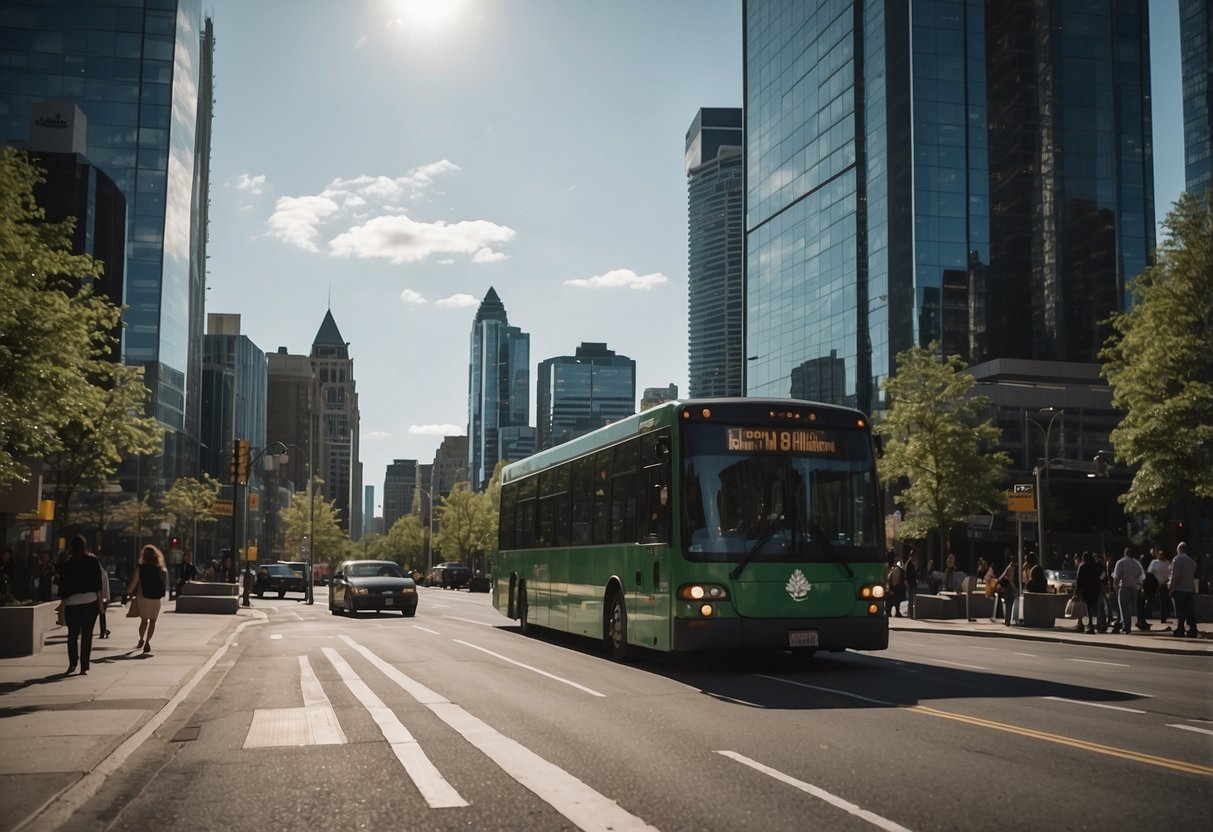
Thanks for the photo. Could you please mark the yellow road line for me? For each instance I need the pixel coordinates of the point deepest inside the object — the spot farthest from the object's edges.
(1149, 759)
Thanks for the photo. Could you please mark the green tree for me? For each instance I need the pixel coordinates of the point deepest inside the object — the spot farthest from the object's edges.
(189, 502)
(91, 445)
(467, 525)
(405, 542)
(1159, 363)
(52, 326)
(329, 544)
(934, 440)
(137, 518)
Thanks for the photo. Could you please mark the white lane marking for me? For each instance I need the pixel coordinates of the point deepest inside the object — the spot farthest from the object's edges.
(819, 793)
(276, 636)
(436, 791)
(313, 724)
(560, 679)
(322, 720)
(469, 620)
(1191, 728)
(1094, 704)
(732, 699)
(1108, 664)
(1028, 655)
(584, 807)
(829, 690)
(426, 629)
(958, 664)
(70, 801)
(1135, 693)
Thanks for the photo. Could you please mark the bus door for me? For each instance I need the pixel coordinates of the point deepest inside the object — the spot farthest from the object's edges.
(653, 569)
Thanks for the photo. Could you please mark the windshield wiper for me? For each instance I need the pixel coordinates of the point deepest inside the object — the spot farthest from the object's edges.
(763, 538)
(820, 537)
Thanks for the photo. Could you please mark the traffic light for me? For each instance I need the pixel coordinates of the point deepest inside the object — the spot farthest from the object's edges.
(239, 466)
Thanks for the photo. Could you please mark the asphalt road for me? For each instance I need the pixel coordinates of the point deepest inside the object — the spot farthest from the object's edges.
(454, 720)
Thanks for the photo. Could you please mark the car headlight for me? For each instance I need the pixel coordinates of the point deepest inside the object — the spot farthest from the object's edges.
(409, 590)
(358, 590)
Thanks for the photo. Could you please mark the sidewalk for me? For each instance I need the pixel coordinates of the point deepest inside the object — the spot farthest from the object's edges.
(1156, 639)
(55, 729)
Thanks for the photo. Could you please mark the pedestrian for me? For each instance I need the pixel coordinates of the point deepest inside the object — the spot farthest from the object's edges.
(1183, 592)
(211, 572)
(228, 572)
(911, 576)
(248, 580)
(45, 576)
(80, 591)
(1160, 570)
(1127, 576)
(1036, 582)
(148, 587)
(7, 572)
(949, 571)
(1087, 588)
(103, 602)
(896, 591)
(188, 573)
(1007, 591)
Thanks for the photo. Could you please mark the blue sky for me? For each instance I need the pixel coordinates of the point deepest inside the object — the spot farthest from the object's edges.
(394, 160)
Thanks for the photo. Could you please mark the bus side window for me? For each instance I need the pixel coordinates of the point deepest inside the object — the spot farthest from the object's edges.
(655, 497)
(543, 528)
(524, 523)
(560, 520)
(505, 534)
(601, 488)
(582, 500)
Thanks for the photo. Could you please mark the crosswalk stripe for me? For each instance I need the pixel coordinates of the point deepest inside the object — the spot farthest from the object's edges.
(434, 788)
(313, 724)
(584, 807)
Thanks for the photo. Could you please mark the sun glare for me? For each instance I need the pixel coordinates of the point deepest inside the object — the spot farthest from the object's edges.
(430, 14)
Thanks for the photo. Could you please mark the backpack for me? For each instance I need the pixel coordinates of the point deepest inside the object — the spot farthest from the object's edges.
(895, 576)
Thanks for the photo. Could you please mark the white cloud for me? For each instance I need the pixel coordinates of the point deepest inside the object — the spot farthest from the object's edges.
(252, 184)
(401, 239)
(411, 297)
(619, 279)
(376, 434)
(438, 430)
(487, 255)
(459, 301)
(296, 219)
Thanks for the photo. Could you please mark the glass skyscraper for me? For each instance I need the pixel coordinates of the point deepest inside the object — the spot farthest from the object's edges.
(582, 392)
(498, 391)
(140, 71)
(969, 173)
(716, 253)
(1195, 38)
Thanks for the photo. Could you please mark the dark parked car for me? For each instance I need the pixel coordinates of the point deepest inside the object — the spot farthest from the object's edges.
(450, 575)
(281, 578)
(379, 585)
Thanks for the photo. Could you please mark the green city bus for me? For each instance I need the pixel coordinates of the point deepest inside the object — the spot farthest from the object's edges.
(701, 524)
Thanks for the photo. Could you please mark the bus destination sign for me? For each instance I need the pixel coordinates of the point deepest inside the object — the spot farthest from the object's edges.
(781, 440)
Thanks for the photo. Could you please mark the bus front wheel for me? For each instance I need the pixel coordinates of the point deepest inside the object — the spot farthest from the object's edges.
(615, 635)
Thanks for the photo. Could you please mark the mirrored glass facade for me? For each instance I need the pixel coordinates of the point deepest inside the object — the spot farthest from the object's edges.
(1195, 38)
(580, 393)
(498, 391)
(140, 71)
(962, 172)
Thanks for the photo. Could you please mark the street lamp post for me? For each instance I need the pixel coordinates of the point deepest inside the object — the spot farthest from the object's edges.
(240, 508)
(1040, 503)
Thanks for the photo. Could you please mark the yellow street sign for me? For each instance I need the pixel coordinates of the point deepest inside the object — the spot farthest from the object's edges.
(1021, 497)
(223, 507)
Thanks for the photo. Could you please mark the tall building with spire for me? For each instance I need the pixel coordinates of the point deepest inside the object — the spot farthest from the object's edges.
(498, 389)
(334, 369)
(129, 86)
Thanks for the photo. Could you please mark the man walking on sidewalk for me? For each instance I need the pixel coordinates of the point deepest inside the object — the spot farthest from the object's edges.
(1126, 577)
(1183, 592)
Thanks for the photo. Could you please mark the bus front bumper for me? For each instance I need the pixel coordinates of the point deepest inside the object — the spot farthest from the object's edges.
(775, 633)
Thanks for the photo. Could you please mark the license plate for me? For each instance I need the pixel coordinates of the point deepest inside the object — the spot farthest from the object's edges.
(802, 638)
(387, 602)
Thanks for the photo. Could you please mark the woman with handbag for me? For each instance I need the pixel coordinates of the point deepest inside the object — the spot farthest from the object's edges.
(80, 589)
(147, 588)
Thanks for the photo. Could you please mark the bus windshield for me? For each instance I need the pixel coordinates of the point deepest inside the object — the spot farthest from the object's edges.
(763, 495)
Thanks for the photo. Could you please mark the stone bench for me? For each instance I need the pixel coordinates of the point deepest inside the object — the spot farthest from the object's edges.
(934, 606)
(215, 597)
(1038, 609)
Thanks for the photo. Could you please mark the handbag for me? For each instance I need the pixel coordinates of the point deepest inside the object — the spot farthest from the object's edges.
(132, 609)
(1070, 608)
(991, 584)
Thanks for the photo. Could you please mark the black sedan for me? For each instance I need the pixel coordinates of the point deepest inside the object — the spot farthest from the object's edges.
(378, 585)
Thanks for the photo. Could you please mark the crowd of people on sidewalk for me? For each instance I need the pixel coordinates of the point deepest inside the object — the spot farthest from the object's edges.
(1110, 595)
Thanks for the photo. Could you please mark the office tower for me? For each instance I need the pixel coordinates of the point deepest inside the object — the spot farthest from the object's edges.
(334, 369)
(582, 392)
(907, 183)
(450, 466)
(654, 396)
(234, 401)
(368, 509)
(399, 489)
(294, 416)
(424, 501)
(498, 390)
(716, 246)
(140, 72)
(1195, 38)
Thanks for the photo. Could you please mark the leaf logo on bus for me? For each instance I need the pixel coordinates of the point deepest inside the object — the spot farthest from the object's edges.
(798, 586)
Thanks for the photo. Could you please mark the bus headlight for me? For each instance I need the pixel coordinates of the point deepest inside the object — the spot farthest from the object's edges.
(702, 592)
(707, 610)
(872, 591)
(873, 609)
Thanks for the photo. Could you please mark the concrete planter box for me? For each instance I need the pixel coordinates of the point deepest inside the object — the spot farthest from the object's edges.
(479, 584)
(23, 629)
(1039, 609)
(1204, 608)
